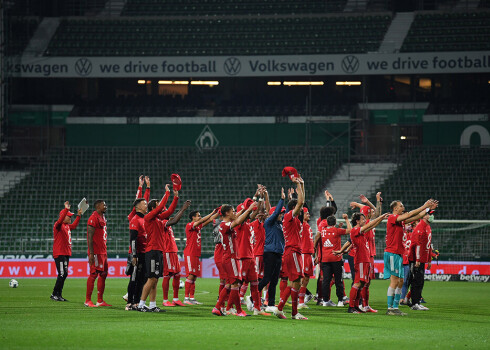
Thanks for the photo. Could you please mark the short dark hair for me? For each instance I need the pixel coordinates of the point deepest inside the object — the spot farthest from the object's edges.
(225, 208)
(152, 204)
(331, 220)
(355, 217)
(292, 203)
(137, 201)
(325, 212)
(97, 202)
(393, 204)
(192, 214)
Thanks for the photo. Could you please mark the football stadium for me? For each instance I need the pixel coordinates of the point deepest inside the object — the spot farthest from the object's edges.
(283, 174)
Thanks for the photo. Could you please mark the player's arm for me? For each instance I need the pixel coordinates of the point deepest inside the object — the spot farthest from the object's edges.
(271, 219)
(212, 218)
(154, 213)
(373, 223)
(354, 205)
(62, 217)
(423, 213)
(259, 207)
(379, 206)
(367, 201)
(147, 190)
(166, 214)
(347, 222)
(175, 219)
(301, 196)
(267, 201)
(404, 217)
(239, 220)
(329, 198)
(90, 238)
(207, 219)
(75, 223)
(345, 248)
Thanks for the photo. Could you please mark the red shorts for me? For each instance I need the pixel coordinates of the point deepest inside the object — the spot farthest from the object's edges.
(362, 272)
(293, 266)
(259, 266)
(247, 269)
(171, 263)
(192, 265)
(100, 264)
(221, 270)
(308, 265)
(371, 271)
(232, 270)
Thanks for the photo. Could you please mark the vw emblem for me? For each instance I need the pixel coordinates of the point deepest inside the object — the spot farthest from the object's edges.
(232, 66)
(350, 64)
(83, 67)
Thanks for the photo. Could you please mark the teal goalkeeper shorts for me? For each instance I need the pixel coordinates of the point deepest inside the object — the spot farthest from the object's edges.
(393, 265)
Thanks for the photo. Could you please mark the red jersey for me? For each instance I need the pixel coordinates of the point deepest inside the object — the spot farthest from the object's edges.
(307, 239)
(62, 235)
(361, 245)
(421, 249)
(100, 235)
(258, 233)
(407, 241)
(394, 236)
(138, 224)
(292, 233)
(155, 227)
(370, 238)
(331, 240)
(218, 253)
(245, 241)
(193, 242)
(170, 244)
(228, 240)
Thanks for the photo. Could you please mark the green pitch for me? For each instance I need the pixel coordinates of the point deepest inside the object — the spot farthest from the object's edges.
(459, 317)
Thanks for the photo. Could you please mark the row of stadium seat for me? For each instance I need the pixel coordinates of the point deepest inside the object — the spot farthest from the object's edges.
(111, 174)
(449, 32)
(219, 37)
(19, 32)
(229, 7)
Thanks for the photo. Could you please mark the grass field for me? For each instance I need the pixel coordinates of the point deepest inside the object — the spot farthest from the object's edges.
(459, 317)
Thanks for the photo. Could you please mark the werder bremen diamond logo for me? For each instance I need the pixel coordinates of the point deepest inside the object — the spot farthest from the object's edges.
(206, 139)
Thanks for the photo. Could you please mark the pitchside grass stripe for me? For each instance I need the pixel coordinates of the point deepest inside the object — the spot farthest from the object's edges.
(459, 318)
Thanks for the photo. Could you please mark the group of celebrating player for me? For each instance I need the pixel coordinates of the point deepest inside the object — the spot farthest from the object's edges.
(255, 246)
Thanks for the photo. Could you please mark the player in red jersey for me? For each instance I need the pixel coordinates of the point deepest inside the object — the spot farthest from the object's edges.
(97, 253)
(393, 261)
(172, 264)
(62, 248)
(307, 251)
(218, 254)
(258, 233)
(407, 241)
(293, 267)
(362, 258)
(192, 251)
(419, 255)
(328, 240)
(155, 226)
(229, 259)
(135, 266)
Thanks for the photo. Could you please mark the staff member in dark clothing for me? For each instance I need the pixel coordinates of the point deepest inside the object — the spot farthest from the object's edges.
(273, 250)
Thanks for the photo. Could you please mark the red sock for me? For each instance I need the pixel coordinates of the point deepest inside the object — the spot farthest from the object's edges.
(222, 297)
(284, 297)
(358, 297)
(409, 294)
(236, 300)
(221, 286)
(243, 289)
(90, 286)
(188, 286)
(165, 286)
(294, 301)
(282, 285)
(352, 296)
(193, 289)
(101, 287)
(254, 288)
(365, 295)
(176, 285)
(301, 295)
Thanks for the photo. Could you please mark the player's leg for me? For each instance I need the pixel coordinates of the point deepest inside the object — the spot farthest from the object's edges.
(140, 279)
(276, 268)
(406, 271)
(66, 262)
(398, 289)
(339, 285)
(175, 288)
(327, 277)
(57, 286)
(417, 286)
(350, 260)
(165, 289)
(90, 286)
(101, 283)
(189, 282)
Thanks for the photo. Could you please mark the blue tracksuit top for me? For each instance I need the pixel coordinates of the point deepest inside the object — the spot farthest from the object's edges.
(274, 237)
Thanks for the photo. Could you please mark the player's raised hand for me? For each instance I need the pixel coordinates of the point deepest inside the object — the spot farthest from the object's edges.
(341, 224)
(67, 205)
(141, 180)
(345, 216)
(176, 193)
(167, 188)
(283, 195)
(253, 206)
(79, 212)
(353, 205)
(385, 216)
(378, 197)
(363, 198)
(434, 204)
(187, 203)
(147, 180)
(328, 196)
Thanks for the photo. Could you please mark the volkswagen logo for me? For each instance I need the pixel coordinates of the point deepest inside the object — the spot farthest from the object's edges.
(350, 64)
(83, 67)
(232, 66)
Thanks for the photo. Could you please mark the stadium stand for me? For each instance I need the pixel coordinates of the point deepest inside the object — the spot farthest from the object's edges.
(226, 174)
(232, 35)
(19, 33)
(455, 176)
(467, 31)
(229, 7)
(55, 8)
